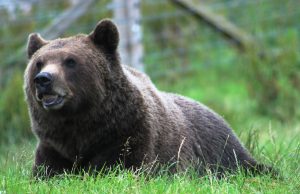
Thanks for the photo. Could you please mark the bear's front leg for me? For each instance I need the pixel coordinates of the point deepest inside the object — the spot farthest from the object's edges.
(48, 162)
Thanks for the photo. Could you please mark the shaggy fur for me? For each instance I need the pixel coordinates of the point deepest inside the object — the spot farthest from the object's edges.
(113, 114)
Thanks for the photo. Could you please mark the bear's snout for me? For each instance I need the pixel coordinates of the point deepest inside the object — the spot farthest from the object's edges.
(43, 83)
(43, 80)
(49, 90)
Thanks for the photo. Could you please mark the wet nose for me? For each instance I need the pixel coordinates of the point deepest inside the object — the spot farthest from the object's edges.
(43, 79)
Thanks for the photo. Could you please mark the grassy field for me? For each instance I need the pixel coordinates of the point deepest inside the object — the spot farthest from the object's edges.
(258, 96)
(15, 178)
(269, 140)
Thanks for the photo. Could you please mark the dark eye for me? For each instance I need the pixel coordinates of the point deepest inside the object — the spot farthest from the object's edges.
(69, 62)
(39, 64)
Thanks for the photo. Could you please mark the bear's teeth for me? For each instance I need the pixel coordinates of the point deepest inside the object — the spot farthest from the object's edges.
(49, 98)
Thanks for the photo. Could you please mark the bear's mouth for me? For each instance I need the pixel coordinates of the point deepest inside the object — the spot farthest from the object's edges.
(52, 101)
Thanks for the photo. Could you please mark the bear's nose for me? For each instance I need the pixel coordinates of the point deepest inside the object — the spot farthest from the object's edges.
(43, 79)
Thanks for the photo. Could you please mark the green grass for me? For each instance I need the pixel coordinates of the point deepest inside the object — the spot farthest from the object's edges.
(270, 141)
(15, 177)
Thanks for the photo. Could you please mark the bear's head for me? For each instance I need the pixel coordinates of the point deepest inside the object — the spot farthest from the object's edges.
(70, 74)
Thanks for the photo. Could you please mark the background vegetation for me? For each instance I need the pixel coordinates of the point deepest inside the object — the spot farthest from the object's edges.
(256, 91)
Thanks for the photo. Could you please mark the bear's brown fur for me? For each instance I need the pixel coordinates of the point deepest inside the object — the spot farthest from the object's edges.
(87, 110)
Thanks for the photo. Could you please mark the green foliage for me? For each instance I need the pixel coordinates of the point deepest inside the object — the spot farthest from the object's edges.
(274, 78)
(14, 121)
(14, 33)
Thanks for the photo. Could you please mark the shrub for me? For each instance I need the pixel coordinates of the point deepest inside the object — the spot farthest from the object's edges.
(274, 79)
(14, 120)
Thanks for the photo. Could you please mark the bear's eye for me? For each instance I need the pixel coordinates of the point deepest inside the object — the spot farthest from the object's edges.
(39, 64)
(69, 62)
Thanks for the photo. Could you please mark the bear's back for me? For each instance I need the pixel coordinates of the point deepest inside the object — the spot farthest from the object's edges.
(206, 135)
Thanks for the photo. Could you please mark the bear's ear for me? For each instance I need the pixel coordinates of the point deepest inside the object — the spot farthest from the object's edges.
(35, 42)
(106, 34)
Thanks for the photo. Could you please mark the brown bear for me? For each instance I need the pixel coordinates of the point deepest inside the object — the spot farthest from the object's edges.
(89, 111)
